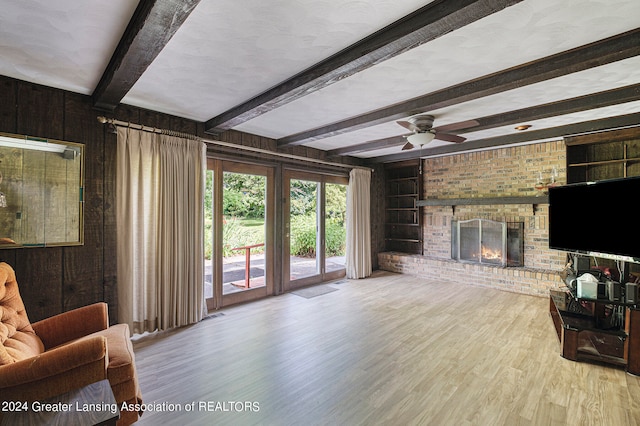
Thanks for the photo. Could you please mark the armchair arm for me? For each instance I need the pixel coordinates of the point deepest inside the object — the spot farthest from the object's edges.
(55, 372)
(71, 325)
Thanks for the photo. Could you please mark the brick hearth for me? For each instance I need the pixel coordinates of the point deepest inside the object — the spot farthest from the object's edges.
(519, 280)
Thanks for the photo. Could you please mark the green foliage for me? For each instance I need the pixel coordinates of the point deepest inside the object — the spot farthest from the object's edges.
(208, 214)
(208, 196)
(236, 234)
(336, 203)
(244, 195)
(303, 197)
(208, 244)
(233, 203)
(335, 235)
(303, 237)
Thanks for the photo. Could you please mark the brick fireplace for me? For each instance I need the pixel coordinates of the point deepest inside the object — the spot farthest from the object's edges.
(487, 242)
(494, 175)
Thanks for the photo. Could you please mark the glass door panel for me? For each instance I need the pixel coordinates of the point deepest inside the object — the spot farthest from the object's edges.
(243, 231)
(315, 231)
(335, 227)
(239, 244)
(303, 219)
(208, 238)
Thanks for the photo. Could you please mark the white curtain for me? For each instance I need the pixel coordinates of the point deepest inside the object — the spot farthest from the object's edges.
(358, 261)
(160, 207)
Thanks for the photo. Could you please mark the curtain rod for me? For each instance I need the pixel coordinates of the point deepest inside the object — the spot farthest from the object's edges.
(105, 120)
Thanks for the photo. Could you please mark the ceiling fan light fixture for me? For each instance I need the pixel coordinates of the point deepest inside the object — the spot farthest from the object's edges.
(420, 138)
(523, 127)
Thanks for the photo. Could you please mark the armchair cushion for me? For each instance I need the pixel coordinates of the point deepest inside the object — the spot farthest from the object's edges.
(71, 325)
(18, 340)
(56, 371)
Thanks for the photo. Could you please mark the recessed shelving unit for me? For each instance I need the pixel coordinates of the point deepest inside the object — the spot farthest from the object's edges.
(605, 155)
(403, 216)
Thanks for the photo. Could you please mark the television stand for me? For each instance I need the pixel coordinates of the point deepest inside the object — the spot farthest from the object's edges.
(584, 336)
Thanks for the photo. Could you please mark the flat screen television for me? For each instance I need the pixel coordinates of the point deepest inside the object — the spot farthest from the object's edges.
(596, 218)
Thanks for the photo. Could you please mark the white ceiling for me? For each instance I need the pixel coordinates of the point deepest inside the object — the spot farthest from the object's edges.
(229, 51)
(63, 43)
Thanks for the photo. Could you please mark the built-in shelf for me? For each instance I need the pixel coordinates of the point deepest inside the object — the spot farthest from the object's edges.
(404, 179)
(406, 240)
(603, 155)
(403, 219)
(605, 162)
(404, 196)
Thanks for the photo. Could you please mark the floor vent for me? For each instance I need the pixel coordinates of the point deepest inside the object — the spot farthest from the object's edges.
(217, 314)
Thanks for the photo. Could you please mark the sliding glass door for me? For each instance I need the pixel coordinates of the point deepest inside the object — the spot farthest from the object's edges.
(335, 230)
(239, 233)
(315, 232)
(240, 224)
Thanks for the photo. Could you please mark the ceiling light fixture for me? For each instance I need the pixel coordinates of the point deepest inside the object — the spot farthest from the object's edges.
(523, 127)
(418, 139)
(32, 143)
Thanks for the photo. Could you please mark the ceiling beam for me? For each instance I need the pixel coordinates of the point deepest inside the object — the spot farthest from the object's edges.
(151, 27)
(427, 23)
(602, 99)
(616, 48)
(529, 136)
(368, 146)
(521, 116)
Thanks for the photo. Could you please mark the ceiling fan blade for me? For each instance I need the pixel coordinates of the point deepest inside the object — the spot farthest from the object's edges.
(407, 146)
(408, 125)
(457, 126)
(450, 138)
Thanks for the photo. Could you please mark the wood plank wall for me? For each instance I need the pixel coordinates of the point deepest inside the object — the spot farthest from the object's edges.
(56, 279)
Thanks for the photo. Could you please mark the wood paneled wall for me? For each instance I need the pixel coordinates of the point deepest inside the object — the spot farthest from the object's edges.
(57, 279)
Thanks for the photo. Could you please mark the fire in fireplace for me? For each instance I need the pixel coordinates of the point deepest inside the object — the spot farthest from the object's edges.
(488, 242)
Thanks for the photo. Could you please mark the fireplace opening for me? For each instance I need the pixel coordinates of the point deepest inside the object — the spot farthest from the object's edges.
(488, 242)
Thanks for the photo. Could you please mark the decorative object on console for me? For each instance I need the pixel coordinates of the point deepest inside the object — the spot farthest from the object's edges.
(542, 185)
(587, 286)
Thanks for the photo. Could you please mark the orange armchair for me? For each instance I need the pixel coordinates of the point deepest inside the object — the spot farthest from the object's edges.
(62, 353)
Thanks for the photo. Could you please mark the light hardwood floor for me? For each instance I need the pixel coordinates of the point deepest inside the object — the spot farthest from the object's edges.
(388, 350)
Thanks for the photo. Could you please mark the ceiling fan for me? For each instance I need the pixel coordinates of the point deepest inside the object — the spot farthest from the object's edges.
(424, 132)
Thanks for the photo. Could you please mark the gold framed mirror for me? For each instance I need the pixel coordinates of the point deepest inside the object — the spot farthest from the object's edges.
(41, 192)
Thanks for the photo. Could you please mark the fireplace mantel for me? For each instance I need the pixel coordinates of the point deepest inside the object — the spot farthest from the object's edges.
(484, 201)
